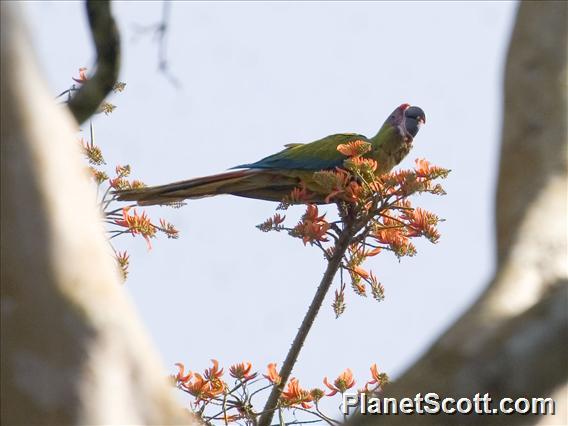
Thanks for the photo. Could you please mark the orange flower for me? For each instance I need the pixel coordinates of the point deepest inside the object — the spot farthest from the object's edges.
(394, 233)
(137, 184)
(422, 222)
(278, 219)
(207, 386)
(214, 373)
(312, 227)
(273, 375)
(398, 177)
(373, 252)
(312, 214)
(354, 149)
(353, 192)
(361, 164)
(202, 388)
(343, 382)
(424, 169)
(137, 224)
(179, 376)
(310, 231)
(99, 176)
(298, 196)
(375, 373)
(92, 152)
(361, 272)
(359, 288)
(295, 395)
(82, 76)
(379, 379)
(242, 371)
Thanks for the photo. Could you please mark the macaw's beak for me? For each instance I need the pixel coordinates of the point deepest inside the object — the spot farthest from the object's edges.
(414, 118)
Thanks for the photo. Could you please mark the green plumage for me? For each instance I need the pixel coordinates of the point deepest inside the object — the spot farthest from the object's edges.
(274, 177)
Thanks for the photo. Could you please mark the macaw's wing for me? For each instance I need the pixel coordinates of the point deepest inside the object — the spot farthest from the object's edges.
(319, 155)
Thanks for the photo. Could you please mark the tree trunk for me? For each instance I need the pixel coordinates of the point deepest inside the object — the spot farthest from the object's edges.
(73, 350)
(513, 341)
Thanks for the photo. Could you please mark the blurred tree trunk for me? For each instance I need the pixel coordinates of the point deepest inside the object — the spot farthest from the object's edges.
(73, 350)
(513, 341)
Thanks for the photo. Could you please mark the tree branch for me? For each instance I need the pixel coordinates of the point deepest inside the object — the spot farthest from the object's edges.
(87, 100)
(333, 265)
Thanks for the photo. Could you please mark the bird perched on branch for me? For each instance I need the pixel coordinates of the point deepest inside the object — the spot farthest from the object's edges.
(275, 176)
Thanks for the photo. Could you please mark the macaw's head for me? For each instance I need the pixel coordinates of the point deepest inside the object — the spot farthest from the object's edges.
(408, 119)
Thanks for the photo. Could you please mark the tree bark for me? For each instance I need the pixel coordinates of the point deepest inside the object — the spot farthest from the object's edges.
(513, 341)
(73, 350)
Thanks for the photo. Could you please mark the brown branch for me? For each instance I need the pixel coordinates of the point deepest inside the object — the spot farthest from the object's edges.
(87, 100)
(334, 262)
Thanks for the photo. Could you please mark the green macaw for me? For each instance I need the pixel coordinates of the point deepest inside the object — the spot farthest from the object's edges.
(275, 176)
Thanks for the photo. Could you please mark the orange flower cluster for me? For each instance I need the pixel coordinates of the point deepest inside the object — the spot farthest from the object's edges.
(407, 182)
(377, 205)
(133, 223)
(272, 374)
(313, 227)
(355, 148)
(379, 380)
(343, 382)
(137, 224)
(208, 389)
(421, 222)
(99, 176)
(202, 387)
(426, 170)
(355, 256)
(118, 87)
(296, 395)
(338, 184)
(299, 195)
(363, 168)
(394, 234)
(92, 152)
(242, 371)
(82, 76)
(120, 182)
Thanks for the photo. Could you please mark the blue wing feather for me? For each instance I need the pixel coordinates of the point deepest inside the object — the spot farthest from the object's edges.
(319, 155)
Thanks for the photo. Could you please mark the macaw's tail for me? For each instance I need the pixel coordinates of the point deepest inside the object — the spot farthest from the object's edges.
(260, 184)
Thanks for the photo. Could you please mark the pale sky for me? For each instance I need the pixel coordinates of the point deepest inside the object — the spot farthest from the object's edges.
(255, 76)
